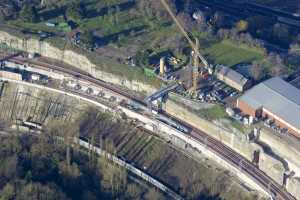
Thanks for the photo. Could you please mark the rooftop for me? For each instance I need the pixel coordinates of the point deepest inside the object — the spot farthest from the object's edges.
(232, 74)
(278, 97)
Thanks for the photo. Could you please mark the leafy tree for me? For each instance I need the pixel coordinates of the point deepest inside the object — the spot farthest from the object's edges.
(29, 13)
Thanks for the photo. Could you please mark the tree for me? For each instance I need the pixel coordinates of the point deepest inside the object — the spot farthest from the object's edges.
(114, 178)
(67, 131)
(133, 192)
(142, 58)
(153, 194)
(186, 20)
(294, 54)
(280, 34)
(218, 19)
(257, 71)
(223, 34)
(7, 10)
(8, 167)
(154, 8)
(8, 192)
(29, 13)
(37, 191)
(277, 65)
(76, 11)
(88, 39)
(242, 26)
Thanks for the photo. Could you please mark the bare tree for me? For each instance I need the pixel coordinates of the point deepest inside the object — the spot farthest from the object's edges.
(66, 131)
(186, 20)
(257, 71)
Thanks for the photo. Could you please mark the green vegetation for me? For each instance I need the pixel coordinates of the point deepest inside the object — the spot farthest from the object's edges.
(159, 159)
(75, 11)
(230, 54)
(36, 168)
(64, 169)
(218, 112)
(124, 29)
(237, 125)
(149, 72)
(213, 113)
(29, 14)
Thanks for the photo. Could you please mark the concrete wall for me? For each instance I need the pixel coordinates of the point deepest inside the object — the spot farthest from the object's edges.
(239, 143)
(290, 151)
(293, 186)
(74, 59)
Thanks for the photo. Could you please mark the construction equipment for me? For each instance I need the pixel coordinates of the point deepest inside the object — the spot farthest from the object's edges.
(162, 66)
(195, 68)
(195, 47)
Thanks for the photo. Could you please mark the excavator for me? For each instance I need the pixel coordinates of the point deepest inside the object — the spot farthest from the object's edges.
(197, 56)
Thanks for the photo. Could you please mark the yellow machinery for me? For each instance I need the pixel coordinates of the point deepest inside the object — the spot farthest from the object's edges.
(162, 66)
(195, 47)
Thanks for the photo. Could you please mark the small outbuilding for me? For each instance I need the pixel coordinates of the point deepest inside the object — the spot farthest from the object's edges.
(232, 78)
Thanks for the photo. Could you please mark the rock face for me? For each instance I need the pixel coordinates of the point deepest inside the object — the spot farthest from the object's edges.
(293, 185)
(289, 150)
(74, 59)
(239, 143)
(31, 104)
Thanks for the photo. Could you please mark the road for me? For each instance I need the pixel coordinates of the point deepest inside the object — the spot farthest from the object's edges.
(225, 152)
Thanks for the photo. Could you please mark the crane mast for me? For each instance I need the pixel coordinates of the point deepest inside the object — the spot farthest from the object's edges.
(195, 68)
(195, 47)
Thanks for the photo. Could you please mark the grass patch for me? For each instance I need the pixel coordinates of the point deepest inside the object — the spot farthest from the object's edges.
(213, 113)
(230, 54)
(129, 28)
(237, 125)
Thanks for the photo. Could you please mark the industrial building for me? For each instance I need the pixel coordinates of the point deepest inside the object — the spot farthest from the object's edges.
(274, 99)
(232, 78)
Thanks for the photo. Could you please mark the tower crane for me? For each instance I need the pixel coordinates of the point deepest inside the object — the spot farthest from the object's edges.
(195, 46)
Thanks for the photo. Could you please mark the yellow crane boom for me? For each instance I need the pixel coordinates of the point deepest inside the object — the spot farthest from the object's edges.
(192, 44)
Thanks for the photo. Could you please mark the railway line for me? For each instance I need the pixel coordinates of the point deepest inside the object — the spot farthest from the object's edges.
(247, 9)
(225, 152)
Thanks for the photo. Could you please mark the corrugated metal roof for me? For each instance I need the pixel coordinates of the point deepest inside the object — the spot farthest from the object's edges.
(278, 97)
(232, 75)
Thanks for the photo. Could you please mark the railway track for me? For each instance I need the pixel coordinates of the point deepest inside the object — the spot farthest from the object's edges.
(225, 152)
(246, 9)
